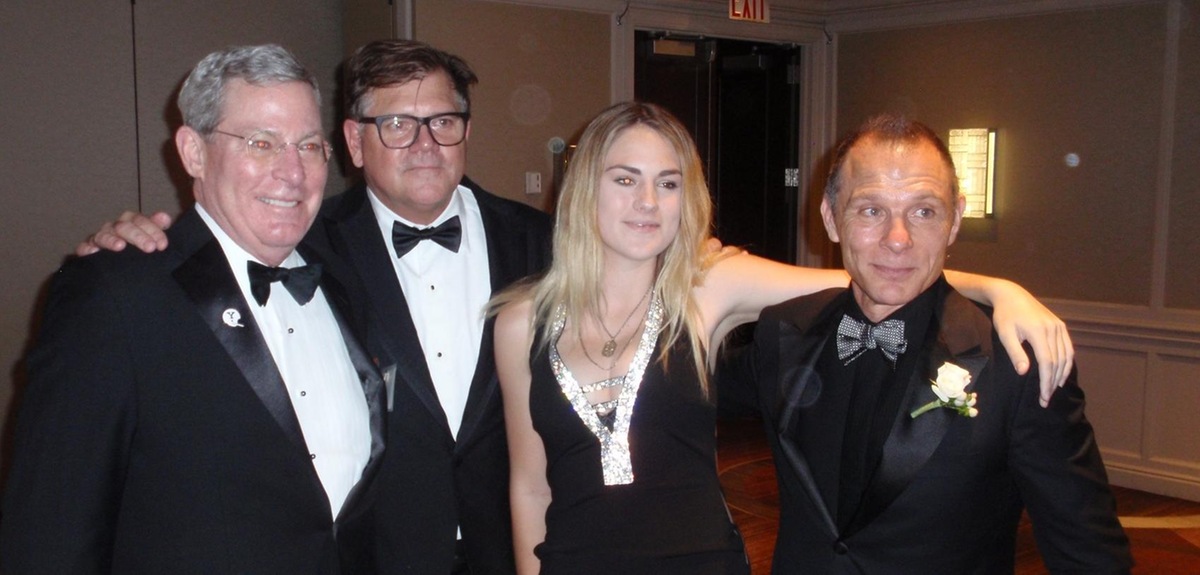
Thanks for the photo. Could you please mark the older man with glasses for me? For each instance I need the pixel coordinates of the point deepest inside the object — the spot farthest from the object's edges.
(442, 499)
(206, 409)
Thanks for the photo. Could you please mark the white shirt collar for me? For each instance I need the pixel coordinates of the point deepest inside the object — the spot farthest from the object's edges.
(385, 217)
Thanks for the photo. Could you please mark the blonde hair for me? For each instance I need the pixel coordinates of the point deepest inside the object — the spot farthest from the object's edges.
(572, 283)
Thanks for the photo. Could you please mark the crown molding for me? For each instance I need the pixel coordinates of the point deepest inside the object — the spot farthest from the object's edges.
(847, 15)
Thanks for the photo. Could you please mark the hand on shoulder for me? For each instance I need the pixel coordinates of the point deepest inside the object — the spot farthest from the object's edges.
(146, 233)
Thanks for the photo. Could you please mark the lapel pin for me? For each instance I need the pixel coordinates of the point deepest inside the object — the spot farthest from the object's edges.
(389, 384)
(232, 318)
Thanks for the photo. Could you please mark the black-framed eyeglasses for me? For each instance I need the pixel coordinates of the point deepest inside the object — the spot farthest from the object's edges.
(265, 146)
(399, 131)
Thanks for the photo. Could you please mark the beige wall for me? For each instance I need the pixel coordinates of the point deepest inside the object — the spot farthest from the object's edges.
(86, 117)
(543, 73)
(1088, 83)
(1183, 253)
(67, 149)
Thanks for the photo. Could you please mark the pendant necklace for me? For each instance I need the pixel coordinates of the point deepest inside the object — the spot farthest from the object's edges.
(610, 346)
(612, 364)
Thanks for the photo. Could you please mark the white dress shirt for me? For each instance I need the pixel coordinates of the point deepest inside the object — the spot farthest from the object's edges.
(446, 294)
(321, 381)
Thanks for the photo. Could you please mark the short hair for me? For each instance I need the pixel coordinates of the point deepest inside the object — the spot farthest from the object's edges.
(885, 128)
(384, 63)
(572, 282)
(202, 98)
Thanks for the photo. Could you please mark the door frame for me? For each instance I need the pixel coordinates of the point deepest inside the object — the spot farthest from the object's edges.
(817, 96)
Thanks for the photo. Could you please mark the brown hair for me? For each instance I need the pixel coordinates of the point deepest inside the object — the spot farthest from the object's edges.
(385, 63)
(886, 128)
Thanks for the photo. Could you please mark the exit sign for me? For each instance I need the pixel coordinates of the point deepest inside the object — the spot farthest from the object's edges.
(752, 10)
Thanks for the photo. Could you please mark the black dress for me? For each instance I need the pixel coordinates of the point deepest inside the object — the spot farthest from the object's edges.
(671, 517)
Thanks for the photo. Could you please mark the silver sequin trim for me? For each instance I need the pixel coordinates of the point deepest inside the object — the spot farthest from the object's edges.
(612, 382)
(614, 445)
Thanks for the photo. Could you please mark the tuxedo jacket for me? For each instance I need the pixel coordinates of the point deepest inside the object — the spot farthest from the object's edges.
(430, 484)
(156, 438)
(948, 491)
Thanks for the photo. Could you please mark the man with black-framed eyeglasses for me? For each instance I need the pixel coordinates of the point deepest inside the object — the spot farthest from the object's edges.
(442, 503)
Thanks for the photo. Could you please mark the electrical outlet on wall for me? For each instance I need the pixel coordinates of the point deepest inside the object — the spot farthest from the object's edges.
(533, 183)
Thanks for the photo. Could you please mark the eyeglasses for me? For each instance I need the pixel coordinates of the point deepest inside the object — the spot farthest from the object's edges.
(265, 146)
(399, 131)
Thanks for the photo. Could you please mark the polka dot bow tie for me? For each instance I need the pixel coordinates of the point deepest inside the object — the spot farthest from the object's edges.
(855, 337)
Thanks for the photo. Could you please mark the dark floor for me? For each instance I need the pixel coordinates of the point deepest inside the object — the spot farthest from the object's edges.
(1165, 532)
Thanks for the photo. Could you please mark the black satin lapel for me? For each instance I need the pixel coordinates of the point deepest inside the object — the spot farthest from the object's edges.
(510, 248)
(363, 246)
(799, 464)
(800, 386)
(913, 441)
(210, 284)
(368, 376)
(485, 387)
(509, 259)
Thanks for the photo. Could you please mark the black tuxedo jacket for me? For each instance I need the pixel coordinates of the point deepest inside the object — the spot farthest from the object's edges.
(429, 483)
(156, 438)
(948, 492)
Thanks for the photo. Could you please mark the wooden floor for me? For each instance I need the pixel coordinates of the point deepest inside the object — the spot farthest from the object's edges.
(1165, 532)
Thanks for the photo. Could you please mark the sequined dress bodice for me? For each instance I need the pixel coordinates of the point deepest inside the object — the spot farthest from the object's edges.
(670, 517)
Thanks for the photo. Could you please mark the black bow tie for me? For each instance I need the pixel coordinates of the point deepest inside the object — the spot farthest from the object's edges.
(300, 281)
(855, 337)
(448, 234)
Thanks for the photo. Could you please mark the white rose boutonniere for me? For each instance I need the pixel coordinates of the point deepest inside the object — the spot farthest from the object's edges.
(951, 390)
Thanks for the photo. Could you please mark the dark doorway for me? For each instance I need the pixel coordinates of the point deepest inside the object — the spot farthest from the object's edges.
(741, 102)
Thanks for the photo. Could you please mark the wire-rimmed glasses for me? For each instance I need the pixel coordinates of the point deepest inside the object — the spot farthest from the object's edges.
(265, 146)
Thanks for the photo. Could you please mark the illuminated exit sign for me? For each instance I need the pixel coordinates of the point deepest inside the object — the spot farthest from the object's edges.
(752, 10)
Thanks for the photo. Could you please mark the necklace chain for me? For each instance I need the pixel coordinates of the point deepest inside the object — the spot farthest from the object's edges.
(610, 346)
(589, 357)
(616, 357)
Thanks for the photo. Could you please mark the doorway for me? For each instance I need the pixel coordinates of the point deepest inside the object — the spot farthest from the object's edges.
(740, 100)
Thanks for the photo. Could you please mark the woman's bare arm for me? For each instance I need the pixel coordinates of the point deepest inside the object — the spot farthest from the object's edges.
(529, 492)
(737, 287)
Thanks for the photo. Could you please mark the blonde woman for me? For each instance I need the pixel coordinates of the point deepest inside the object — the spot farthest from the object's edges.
(602, 361)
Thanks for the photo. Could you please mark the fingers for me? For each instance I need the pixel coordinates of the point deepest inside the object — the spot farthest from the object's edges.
(1012, 345)
(1069, 353)
(1048, 352)
(144, 233)
(1048, 374)
(161, 219)
(87, 247)
(1055, 365)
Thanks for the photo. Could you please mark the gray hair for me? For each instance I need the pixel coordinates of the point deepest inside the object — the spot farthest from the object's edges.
(202, 98)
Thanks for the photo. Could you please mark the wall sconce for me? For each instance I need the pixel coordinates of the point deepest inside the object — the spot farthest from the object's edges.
(974, 153)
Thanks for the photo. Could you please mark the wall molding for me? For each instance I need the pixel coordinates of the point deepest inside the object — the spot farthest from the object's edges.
(1135, 364)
